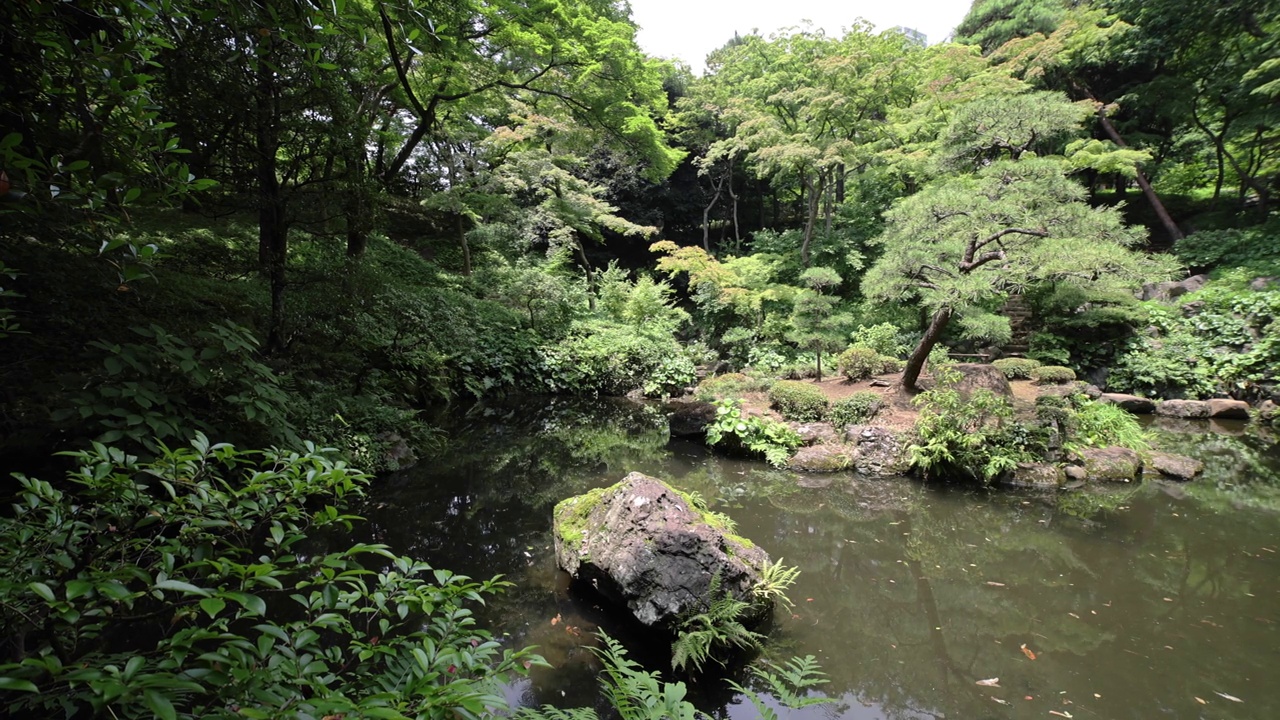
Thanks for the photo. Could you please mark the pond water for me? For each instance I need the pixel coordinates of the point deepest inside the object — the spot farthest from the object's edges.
(1157, 601)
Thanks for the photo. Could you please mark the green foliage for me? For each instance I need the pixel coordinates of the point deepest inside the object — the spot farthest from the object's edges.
(791, 684)
(607, 359)
(1255, 248)
(766, 359)
(166, 388)
(974, 436)
(729, 385)
(798, 401)
(1052, 375)
(855, 409)
(859, 363)
(775, 440)
(708, 634)
(816, 325)
(775, 579)
(1222, 340)
(198, 558)
(1097, 424)
(1016, 368)
(884, 338)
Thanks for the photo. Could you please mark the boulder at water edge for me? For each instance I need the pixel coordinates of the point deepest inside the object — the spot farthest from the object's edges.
(644, 545)
(1111, 464)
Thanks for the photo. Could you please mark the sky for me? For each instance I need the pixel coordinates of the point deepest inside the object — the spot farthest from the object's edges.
(689, 29)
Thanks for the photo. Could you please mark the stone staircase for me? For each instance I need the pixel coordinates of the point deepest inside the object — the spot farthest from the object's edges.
(1019, 314)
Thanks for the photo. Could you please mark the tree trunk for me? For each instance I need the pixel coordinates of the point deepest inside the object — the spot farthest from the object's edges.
(591, 275)
(461, 227)
(1165, 219)
(915, 363)
(706, 217)
(273, 225)
(737, 235)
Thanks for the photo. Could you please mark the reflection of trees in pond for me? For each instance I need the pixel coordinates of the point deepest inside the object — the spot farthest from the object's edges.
(1240, 471)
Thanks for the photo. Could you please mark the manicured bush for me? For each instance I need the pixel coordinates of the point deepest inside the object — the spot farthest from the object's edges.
(857, 408)
(729, 385)
(1052, 375)
(860, 363)
(1016, 368)
(798, 401)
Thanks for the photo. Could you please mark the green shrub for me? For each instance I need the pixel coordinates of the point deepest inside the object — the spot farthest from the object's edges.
(860, 363)
(974, 437)
(884, 338)
(857, 408)
(729, 385)
(1052, 375)
(605, 359)
(1097, 424)
(1016, 368)
(179, 588)
(773, 439)
(798, 401)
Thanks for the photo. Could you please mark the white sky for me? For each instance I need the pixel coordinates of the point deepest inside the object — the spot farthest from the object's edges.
(689, 29)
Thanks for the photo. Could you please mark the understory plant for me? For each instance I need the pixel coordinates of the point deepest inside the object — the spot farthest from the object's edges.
(974, 436)
(710, 634)
(180, 588)
(798, 401)
(857, 408)
(1016, 368)
(1098, 424)
(775, 440)
(860, 363)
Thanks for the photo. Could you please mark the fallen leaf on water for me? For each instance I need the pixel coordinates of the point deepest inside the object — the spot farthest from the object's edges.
(1200, 700)
(1060, 714)
(1225, 696)
(995, 584)
(1074, 615)
(555, 620)
(1002, 702)
(1027, 651)
(1027, 697)
(989, 682)
(573, 630)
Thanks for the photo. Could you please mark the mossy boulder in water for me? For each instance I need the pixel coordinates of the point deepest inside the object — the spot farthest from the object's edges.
(645, 545)
(1111, 464)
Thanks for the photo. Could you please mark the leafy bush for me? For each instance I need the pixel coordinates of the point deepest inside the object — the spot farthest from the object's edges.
(1097, 424)
(884, 338)
(1255, 248)
(1052, 375)
(165, 388)
(673, 374)
(196, 558)
(860, 363)
(857, 408)
(775, 440)
(766, 359)
(729, 385)
(1016, 368)
(798, 401)
(973, 437)
(606, 359)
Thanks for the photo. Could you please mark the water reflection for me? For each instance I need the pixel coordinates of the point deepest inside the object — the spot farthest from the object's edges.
(1139, 604)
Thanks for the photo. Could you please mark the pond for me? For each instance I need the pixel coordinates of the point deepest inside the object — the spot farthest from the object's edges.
(1156, 601)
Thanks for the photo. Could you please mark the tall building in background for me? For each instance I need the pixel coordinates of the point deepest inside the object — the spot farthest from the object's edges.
(912, 34)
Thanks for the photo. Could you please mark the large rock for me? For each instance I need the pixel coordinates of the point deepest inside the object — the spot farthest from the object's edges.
(1178, 467)
(1132, 403)
(974, 376)
(689, 418)
(643, 545)
(821, 459)
(1228, 409)
(1111, 464)
(1037, 475)
(879, 452)
(1183, 408)
(817, 433)
(1169, 290)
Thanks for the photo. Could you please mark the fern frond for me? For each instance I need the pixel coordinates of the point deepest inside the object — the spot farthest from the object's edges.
(775, 578)
(789, 684)
(547, 712)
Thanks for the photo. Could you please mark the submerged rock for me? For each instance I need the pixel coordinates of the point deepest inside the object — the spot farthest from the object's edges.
(1178, 467)
(644, 545)
(689, 418)
(1111, 464)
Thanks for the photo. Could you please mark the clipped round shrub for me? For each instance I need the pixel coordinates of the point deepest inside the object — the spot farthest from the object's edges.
(798, 401)
(1016, 368)
(1052, 375)
(860, 363)
(857, 408)
(729, 385)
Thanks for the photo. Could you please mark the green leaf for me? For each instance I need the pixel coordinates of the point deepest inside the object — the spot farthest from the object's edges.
(8, 683)
(212, 606)
(42, 590)
(160, 705)
(183, 587)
